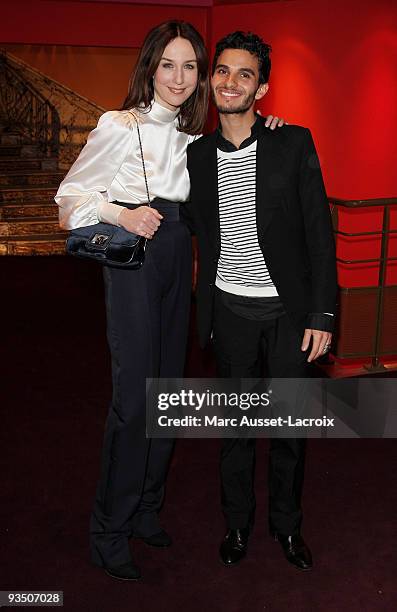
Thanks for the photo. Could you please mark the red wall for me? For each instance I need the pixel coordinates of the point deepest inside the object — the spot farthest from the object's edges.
(334, 67)
(88, 23)
(335, 71)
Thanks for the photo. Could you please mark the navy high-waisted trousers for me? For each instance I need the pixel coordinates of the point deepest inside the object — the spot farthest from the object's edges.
(147, 326)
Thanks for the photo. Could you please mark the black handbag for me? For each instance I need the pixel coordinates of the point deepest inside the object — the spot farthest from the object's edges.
(108, 244)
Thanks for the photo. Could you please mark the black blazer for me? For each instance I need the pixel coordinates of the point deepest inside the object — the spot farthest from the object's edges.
(293, 222)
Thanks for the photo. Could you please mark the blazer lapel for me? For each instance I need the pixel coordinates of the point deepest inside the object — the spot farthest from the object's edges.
(210, 192)
(269, 178)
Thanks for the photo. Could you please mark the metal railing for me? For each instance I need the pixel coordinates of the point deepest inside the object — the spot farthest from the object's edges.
(382, 260)
(26, 111)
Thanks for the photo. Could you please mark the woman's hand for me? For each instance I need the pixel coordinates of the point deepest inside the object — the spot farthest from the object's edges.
(274, 122)
(143, 221)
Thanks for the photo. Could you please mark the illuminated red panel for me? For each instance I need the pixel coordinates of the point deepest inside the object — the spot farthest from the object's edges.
(350, 248)
(391, 270)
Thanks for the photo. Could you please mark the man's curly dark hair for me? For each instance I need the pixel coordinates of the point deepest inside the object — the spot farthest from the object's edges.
(248, 42)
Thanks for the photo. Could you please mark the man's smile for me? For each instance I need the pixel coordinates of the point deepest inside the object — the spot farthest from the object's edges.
(228, 93)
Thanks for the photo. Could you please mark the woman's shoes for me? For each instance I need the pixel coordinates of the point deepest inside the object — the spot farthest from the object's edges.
(160, 539)
(130, 571)
(127, 571)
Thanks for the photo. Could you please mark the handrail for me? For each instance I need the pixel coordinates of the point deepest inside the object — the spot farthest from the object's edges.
(363, 203)
(37, 94)
(381, 260)
(24, 66)
(27, 110)
(363, 233)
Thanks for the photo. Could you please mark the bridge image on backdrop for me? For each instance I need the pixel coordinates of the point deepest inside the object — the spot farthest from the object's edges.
(44, 124)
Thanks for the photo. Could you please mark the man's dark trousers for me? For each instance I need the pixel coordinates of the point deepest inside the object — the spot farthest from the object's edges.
(242, 347)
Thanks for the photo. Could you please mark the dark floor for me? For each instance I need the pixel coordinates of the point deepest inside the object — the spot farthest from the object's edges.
(56, 387)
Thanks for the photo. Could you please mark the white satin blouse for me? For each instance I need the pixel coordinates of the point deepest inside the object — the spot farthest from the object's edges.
(109, 167)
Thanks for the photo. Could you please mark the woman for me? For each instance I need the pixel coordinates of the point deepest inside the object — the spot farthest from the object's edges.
(147, 309)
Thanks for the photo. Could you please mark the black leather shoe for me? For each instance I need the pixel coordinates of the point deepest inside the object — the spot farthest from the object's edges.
(295, 550)
(234, 546)
(160, 539)
(128, 571)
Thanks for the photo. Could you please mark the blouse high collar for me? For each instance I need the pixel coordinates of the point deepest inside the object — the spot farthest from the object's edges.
(162, 114)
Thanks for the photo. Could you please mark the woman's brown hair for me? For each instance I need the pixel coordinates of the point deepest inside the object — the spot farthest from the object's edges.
(193, 112)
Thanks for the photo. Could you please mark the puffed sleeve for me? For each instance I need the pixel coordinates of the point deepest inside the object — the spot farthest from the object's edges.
(82, 196)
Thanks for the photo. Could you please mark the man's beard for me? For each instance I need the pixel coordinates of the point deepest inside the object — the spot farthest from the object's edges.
(245, 105)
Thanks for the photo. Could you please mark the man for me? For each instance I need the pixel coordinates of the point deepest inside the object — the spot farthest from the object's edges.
(267, 275)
